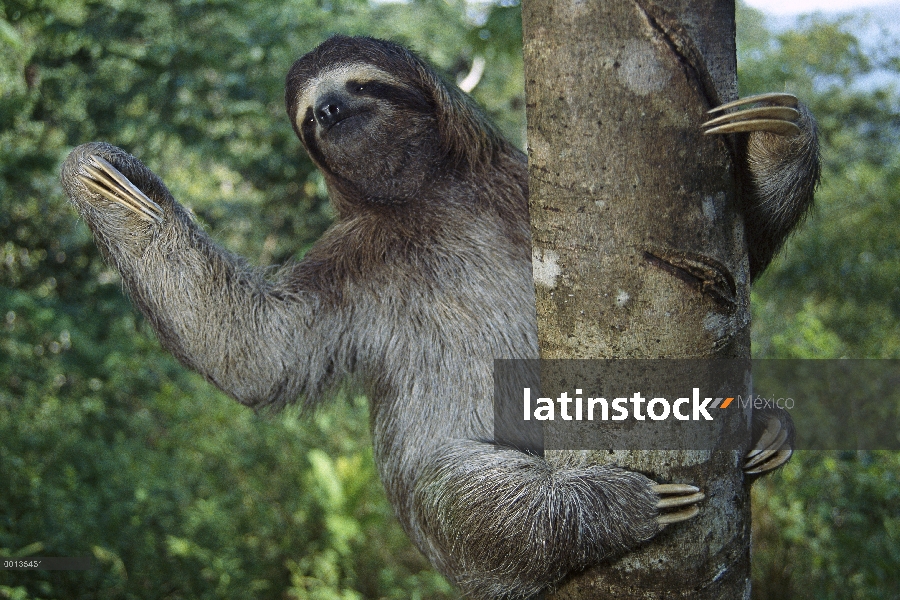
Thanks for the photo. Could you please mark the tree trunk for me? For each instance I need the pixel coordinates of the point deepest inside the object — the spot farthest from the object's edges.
(639, 247)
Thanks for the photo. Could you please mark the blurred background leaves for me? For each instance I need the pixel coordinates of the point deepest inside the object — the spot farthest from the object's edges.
(109, 448)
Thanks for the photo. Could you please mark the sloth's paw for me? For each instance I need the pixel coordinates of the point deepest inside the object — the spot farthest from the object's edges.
(115, 193)
(677, 502)
(102, 177)
(777, 114)
(771, 451)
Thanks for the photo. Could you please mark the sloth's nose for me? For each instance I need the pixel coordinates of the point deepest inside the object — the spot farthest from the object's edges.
(329, 110)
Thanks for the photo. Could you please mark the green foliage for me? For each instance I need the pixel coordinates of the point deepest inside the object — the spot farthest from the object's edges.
(184, 495)
(828, 525)
(834, 291)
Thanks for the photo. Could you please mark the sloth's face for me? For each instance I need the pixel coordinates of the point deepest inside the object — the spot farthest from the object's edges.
(370, 130)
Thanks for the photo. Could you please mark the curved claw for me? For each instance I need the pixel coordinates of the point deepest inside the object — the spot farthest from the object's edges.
(778, 113)
(674, 488)
(770, 125)
(776, 445)
(679, 495)
(771, 451)
(779, 116)
(110, 183)
(677, 517)
(779, 98)
(681, 500)
(773, 428)
(776, 461)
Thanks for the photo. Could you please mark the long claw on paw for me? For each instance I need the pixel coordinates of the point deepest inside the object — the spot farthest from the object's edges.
(677, 495)
(110, 183)
(771, 451)
(765, 454)
(773, 428)
(778, 459)
(778, 115)
(677, 517)
(674, 488)
(779, 98)
(770, 125)
(680, 500)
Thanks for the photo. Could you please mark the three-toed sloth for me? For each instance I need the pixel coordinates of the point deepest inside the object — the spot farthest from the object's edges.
(423, 280)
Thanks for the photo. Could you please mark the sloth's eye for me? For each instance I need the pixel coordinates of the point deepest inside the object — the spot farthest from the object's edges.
(357, 87)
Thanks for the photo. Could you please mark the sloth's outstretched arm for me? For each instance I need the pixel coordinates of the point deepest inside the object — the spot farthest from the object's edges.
(505, 524)
(249, 336)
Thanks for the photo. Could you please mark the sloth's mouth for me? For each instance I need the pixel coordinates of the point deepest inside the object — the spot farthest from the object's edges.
(350, 120)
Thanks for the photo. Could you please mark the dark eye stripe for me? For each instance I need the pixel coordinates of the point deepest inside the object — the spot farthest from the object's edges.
(399, 96)
(308, 130)
(359, 88)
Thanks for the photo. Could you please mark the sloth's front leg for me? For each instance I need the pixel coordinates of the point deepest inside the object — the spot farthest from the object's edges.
(250, 336)
(505, 524)
(782, 166)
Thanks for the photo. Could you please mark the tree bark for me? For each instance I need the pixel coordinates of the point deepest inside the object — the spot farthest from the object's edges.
(638, 243)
